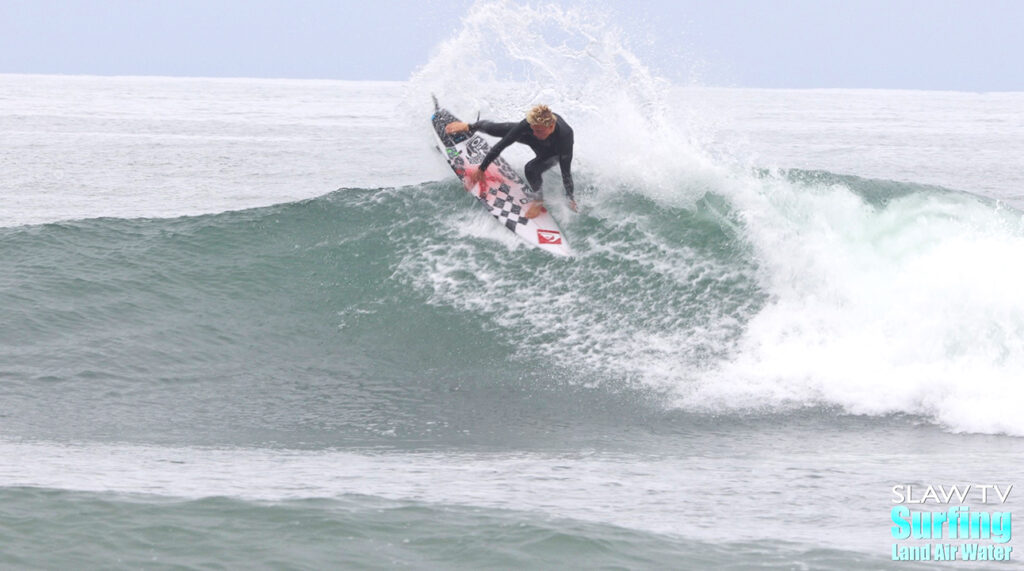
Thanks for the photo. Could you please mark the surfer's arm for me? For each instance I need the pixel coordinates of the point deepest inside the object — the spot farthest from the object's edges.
(509, 133)
(489, 127)
(565, 164)
(493, 129)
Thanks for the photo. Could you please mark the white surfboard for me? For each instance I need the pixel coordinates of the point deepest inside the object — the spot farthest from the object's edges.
(503, 193)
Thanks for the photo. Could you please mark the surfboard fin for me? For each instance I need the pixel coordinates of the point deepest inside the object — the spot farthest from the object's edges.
(436, 105)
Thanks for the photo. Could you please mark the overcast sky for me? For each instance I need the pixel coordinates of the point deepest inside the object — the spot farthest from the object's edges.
(907, 44)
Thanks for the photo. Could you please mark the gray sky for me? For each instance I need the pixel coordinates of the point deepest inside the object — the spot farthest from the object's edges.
(913, 44)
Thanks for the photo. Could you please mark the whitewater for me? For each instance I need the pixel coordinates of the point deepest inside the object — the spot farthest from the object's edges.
(258, 323)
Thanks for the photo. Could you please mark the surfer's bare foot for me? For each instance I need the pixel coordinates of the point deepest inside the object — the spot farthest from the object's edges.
(456, 127)
(534, 210)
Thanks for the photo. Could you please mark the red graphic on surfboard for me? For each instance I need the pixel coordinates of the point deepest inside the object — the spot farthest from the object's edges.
(491, 177)
(548, 237)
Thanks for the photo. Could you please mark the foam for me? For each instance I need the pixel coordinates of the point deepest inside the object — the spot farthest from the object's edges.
(911, 308)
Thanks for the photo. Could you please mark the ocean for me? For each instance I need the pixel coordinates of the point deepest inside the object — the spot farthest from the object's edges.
(255, 323)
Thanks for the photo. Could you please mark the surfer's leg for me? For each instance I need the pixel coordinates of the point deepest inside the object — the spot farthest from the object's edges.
(534, 171)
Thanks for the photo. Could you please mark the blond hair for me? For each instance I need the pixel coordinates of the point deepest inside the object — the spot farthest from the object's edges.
(540, 115)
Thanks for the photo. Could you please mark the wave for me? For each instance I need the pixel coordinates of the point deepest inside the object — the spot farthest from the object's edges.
(699, 284)
(796, 289)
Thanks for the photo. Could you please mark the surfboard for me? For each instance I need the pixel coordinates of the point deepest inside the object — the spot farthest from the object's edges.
(503, 193)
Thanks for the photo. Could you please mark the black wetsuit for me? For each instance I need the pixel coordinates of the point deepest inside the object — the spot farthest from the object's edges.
(556, 148)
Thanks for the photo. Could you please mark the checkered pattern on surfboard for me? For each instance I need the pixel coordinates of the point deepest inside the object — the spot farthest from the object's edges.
(504, 207)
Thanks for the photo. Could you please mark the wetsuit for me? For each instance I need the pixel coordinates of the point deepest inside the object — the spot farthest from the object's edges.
(556, 148)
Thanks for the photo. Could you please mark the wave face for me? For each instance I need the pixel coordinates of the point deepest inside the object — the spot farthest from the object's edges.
(363, 312)
(405, 313)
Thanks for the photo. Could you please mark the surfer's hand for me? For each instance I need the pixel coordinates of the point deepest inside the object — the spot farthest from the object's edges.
(474, 178)
(572, 204)
(478, 176)
(456, 127)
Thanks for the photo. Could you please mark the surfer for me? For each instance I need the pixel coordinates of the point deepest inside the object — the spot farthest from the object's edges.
(547, 134)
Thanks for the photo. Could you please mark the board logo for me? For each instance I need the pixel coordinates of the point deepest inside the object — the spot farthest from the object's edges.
(476, 147)
(548, 237)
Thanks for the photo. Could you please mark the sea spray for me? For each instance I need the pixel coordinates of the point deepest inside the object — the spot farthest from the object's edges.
(506, 57)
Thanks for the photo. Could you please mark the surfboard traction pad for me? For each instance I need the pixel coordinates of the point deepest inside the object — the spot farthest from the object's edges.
(500, 200)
